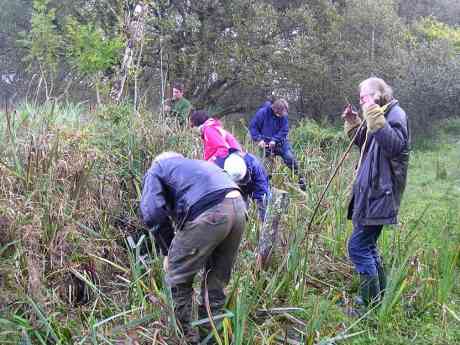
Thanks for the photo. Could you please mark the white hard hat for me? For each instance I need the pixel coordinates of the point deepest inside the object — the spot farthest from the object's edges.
(235, 166)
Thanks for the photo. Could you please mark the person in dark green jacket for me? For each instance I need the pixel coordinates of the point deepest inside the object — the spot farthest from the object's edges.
(179, 106)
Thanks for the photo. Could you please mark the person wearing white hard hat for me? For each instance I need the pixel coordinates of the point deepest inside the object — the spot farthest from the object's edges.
(250, 175)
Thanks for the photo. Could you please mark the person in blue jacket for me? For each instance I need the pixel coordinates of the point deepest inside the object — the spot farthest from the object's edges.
(380, 180)
(250, 175)
(209, 213)
(269, 128)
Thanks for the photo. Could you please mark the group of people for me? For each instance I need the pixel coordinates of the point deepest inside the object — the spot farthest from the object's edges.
(269, 129)
(197, 208)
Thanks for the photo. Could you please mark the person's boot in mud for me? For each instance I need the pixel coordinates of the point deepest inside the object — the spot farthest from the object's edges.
(369, 296)
(216, 306)
(182, 297)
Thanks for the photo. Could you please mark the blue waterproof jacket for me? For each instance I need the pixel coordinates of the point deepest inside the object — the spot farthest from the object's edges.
(381, 178)
(265, 125)
(172, 186)
(256, 185)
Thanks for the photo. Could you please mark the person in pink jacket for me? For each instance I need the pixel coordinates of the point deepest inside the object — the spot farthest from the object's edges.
(216, 140)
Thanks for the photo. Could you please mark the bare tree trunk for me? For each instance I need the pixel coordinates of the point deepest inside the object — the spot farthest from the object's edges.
(98, 94)
(135, 36)
(136, 74)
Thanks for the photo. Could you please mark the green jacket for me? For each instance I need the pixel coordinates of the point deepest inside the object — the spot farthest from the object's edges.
(181, 109)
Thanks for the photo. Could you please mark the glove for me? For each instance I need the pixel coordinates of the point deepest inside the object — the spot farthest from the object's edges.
(374, 115)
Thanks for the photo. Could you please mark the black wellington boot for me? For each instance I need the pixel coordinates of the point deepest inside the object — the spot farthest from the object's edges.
(216, 304)
(382, 279)
(182, 298)
(369, 289)
(303, 184)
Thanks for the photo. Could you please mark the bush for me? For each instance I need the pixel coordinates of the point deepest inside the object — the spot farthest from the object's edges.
(311, 133)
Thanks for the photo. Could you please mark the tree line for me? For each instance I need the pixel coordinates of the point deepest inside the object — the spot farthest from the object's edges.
(233, 54)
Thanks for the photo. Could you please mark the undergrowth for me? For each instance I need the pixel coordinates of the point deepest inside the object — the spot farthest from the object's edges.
(70, 182)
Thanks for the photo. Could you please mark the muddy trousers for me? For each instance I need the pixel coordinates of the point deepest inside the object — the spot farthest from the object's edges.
(211, 242)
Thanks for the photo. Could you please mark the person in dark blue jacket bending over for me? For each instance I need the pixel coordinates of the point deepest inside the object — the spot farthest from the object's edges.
(209, 215)
(247, 171)
(270, 128)
(380, 180)
(250, 175)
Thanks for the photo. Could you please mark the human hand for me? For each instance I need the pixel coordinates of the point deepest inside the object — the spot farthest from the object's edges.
(261, 144)
(349, 114)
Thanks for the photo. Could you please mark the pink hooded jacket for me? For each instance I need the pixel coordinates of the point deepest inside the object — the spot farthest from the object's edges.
(216, 140)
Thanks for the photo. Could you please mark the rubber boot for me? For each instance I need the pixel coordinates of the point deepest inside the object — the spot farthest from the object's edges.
(182, 298)
(369, 289)
(216, 304)
(382, 279)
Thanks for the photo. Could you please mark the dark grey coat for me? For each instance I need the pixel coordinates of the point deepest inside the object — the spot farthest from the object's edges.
(381, 178)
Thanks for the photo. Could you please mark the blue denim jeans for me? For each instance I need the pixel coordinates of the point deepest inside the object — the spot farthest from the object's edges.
(362, 248)
(285, 151)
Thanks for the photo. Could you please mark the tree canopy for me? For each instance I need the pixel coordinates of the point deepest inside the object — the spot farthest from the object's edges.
(232, 54)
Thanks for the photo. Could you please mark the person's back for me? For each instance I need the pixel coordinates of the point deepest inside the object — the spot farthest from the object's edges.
(209, 213)
(259, 186)
(216, 141)
(185, 182)
(252, 178)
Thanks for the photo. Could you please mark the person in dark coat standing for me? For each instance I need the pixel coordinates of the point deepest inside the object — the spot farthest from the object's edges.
(380, 179)
(269, 128)
(209, 215)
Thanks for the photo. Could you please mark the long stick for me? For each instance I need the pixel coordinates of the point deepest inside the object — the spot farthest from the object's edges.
(344, 156)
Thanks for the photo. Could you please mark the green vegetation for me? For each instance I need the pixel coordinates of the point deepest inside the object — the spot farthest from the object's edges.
(232, 54)
(69, 186)
(70, 175)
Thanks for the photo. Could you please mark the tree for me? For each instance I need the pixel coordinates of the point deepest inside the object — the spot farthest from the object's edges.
(44, 45)
(90, 52)
(14, 18)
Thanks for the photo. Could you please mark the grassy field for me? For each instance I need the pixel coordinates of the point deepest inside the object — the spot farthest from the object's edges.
(69, 189)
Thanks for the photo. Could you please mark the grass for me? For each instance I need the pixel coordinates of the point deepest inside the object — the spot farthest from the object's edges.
(69, 186)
